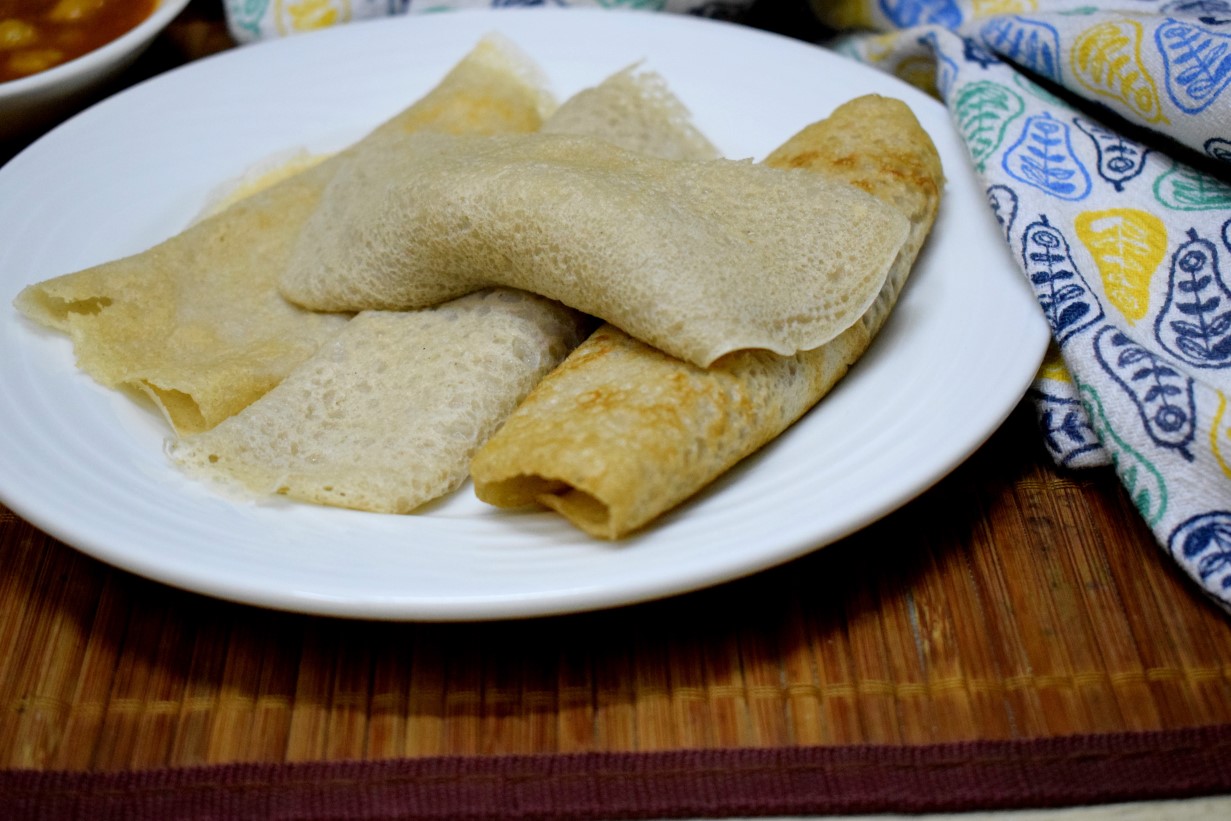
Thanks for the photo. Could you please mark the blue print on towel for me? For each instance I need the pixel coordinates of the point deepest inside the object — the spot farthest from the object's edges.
(1163, 395)
(1028, 43)
(1195, 321)
(1219, 148)
(1119, 159)
(1210, 12)
(1003, 201)
(1197, 62)
(946, 68)
(1043, 157)
(1202, 545)
(974, 52)
(1066, 428)
(1066, 299)
(909, 13)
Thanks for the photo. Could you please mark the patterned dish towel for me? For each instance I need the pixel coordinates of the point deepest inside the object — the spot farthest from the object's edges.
(1102, 134)
(251, 20)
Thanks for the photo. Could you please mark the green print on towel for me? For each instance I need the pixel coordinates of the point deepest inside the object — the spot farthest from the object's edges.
(984, 111)
(1183, 189)
(247, 14)
(1144, 483)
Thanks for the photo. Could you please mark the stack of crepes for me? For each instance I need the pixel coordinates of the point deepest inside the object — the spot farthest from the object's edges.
(355, 334)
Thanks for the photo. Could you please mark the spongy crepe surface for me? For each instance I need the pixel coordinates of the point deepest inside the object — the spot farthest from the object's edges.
(875, 144)
(636, 110)
(697, 258)
(196, 322)
(621, 432)
(381, 416)
(387, 415)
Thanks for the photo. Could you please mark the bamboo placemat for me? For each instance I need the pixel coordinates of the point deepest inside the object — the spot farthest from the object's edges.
(1011, 601)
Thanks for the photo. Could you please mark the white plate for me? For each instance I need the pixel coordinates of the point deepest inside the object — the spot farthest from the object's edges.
(86, 464)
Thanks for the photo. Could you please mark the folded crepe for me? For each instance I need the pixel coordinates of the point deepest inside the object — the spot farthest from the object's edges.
(196, 323)
(388, 413)
(622, 432)
(698, 258)
(636, 110)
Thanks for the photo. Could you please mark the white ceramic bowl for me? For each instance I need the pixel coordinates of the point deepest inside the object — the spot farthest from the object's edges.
(37, 101)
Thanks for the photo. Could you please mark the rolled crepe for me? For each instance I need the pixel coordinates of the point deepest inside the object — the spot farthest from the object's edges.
(622, 432)
(387, 415)
(196, 323)
(697, 258)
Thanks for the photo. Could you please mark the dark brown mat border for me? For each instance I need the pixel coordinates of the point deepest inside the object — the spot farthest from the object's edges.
(689, 783)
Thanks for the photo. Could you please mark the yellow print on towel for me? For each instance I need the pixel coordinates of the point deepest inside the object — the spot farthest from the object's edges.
(991, 8)
(291, 16)
(881, 47)
(1107, 60)
(1220, 436)
(1128, 246)
(884, 52)
(920, 72)
(1053, 366)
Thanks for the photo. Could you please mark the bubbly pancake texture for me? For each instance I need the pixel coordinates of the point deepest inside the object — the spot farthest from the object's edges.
(697, 258)
(382, 416)
(621, 433)
(636, 110)
(387, 415)
(196, 323)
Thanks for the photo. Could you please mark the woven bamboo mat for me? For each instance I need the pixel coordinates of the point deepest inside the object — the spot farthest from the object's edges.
(1010, 601)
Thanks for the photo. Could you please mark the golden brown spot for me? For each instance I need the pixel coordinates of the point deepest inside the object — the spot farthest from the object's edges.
(801, 160)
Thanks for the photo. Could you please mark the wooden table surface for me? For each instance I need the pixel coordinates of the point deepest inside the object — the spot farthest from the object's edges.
(1014, 600)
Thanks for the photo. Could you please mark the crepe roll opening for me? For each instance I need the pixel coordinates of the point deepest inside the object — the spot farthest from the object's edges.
(582, 509)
